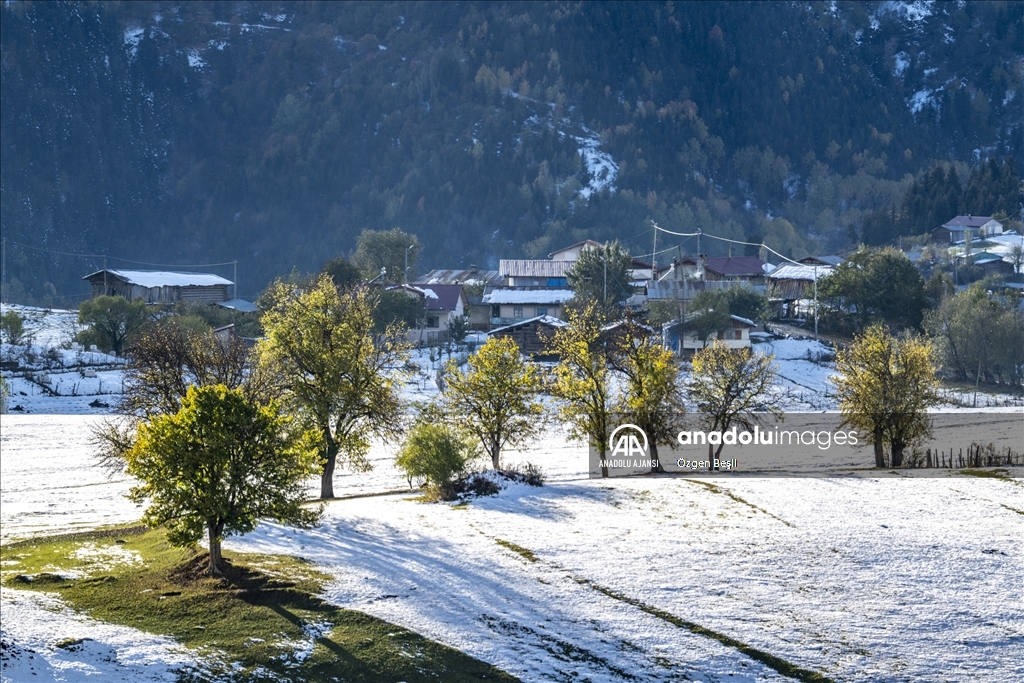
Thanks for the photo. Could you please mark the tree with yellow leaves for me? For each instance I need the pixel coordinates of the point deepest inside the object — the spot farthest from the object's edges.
(885, 387)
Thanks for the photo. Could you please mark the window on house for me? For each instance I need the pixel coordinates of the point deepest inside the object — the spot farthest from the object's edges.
(495, 311)
(433, 321)
(542, 310)
(721, 334)
(738, 334)
(517, 311)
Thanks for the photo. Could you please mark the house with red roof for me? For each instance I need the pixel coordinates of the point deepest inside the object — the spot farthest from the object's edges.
(442, 304)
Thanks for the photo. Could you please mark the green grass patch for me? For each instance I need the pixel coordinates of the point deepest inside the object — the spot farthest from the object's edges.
(262, 621)
(988, 474)
(517, 549)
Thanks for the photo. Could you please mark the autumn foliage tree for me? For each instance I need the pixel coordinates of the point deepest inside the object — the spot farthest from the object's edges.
(496, 397)
(885, 386)
(652, 396)
(217, 466)
(730, 386)
(583, 379)
(339, 375)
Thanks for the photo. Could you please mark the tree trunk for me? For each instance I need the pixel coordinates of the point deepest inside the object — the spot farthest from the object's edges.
(330, 459)
(655, 462)
(879, 455)
(897, 453)
(216, 559)
(496, 456)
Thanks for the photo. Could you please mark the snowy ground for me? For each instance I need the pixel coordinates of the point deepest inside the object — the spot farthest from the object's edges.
(865, 579)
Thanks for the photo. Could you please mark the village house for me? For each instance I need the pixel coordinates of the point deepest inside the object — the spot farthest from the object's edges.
(956, 229)
(748, 270)
(160, 287)
(510, 306)
(790, 284)
(442, 304)
(677, 337)
(463, 276)
(829, 260)
(990, 264)
(572, 252)
(534, 272)
(532, 335)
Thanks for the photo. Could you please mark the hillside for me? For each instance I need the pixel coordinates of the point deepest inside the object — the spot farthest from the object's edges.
(272, 133)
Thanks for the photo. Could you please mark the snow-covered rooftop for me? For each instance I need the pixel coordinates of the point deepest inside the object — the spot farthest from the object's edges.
(548, 320)
(528, 296)
(794, 272)
(159, 278)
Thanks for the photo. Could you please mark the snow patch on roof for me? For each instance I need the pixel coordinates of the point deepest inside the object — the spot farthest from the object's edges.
(528, 296)
(794, 272)
(156, 278)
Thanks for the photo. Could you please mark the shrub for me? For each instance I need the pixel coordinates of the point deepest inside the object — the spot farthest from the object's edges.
(437, 453)
(12, 327)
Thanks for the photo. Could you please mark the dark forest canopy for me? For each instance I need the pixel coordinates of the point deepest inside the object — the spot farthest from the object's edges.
(274, 133)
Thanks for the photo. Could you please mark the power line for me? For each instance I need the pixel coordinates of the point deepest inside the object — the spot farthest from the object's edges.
(116, 258)
(701, 233)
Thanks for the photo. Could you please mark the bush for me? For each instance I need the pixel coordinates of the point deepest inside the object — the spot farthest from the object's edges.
(437, 453)
(12, 327)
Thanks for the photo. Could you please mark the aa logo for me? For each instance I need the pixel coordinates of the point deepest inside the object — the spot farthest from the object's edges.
(628, 441)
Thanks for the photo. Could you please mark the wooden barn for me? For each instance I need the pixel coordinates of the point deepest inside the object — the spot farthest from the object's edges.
(532, 335)
(791, 283)
(158, 287)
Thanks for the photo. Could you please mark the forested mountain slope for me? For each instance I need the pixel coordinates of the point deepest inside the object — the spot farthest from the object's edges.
(272, 133)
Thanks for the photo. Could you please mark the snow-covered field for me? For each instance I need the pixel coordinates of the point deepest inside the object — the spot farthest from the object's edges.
(864, 579)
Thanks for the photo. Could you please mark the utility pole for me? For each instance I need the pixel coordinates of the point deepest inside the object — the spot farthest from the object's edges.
(105, 293)
(3, 270)
(234, 279)
(405, 275)
(654, 254)
(815, 302)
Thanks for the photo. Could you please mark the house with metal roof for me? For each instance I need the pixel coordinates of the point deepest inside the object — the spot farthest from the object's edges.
(829, 260)
(790, 284)
(679, 337)
(532, 335)
(510, 306)
(462, 276)
(160, 287)
(956, 229)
